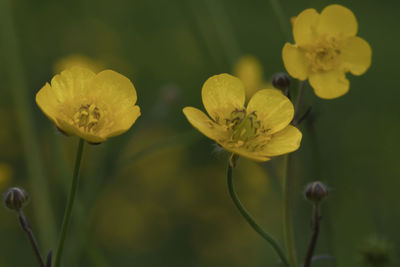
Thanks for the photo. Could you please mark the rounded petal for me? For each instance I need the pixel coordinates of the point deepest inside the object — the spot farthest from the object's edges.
(222, 94)
(72, 83)
(337, 20)
(115, 88)
(273, 109)
(329, 85)
(204, 124)
(47, 102)
(247, 154)
(356, 55)
(283, 142)
(124, 123)
(295, 61)
(304, 28)
(72, 130)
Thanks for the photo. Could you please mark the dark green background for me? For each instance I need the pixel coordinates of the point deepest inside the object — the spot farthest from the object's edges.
(168, 205)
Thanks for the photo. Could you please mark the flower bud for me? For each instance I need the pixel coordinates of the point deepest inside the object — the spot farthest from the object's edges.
(281, 81)
(15, 198)
(316, 191)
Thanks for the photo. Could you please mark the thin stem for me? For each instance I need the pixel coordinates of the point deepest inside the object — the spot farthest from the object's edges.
(68, 210)
(288, 231)
(314, 236)
(271, 240)
(299, 103)
(287, 212)
(27, 228)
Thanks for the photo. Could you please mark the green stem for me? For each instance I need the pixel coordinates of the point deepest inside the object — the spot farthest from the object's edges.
(68, 210)
(287, 212)
(251, 220)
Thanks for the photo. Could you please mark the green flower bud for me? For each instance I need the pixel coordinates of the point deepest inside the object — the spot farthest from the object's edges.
(15, 198)
(316, 191)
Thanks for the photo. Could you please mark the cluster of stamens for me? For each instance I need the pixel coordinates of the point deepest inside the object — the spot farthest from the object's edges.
(324, 55)
(87, 117)
(244, 128)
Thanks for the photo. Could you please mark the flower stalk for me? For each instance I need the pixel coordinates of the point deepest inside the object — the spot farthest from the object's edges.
(250, 220)
(68, 210)
(28, 230)
(314, 236)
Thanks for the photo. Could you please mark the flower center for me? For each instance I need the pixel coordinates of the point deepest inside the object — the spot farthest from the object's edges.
(244, 127)
(324, 54)
(87, 117)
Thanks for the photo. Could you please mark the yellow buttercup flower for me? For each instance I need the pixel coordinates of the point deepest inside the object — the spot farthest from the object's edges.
(91, 106)
(249, 70)
(259, 131)
(326, 47)
(77, 60)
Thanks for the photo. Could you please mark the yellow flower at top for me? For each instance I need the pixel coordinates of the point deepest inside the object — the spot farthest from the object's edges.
(249, 70)
(259, 131)
(77, 60)
(91, 106)
(326, 47)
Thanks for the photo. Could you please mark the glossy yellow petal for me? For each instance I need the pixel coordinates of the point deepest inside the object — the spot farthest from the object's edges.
(72, 83)
(70, 129)
(221, 95)
(47, 101)
(304, 27)
(356, 55)
(204, 124)
(295, 61)
(283, 142)
(115, 88)
(125, 122)
(337, 20)
(273, 109)
(247, 154)
(329, 85)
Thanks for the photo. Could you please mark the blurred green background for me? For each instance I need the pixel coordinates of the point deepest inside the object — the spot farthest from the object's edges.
(157, 196)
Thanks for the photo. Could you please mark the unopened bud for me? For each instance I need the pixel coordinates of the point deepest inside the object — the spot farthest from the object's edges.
(15, 198)
(281, 81)
(316, 191)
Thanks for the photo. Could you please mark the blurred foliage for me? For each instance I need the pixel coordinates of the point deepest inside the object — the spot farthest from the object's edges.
(157, 195)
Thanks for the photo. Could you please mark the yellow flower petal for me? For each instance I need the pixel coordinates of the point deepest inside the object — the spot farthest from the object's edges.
(204, 124)
(125, 122)
(295, 61)
(72, 130)
(329, 84)
(337, 20)
(72, 83)
(273, 109)
(356, 55)
(222, 94)
(283, 142)
(48, 102)
(247, 154)
(116, 88)
(304, 29)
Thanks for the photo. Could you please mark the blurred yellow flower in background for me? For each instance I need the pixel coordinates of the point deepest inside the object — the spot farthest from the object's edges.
(6, 173)
(326, 47)
(250, 71)
(77, 60)
(91, 106)
(258, 132)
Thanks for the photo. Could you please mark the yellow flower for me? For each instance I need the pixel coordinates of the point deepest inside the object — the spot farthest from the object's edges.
(326, 48)
(77, 60)
(249, 70)
(91, 106)
(259, 131)
(6, 173)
